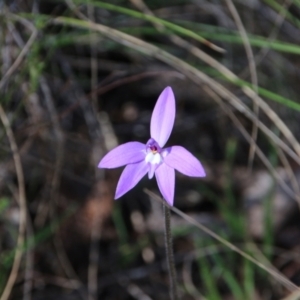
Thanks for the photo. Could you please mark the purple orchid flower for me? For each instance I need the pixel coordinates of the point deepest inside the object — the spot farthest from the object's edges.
(152, 158)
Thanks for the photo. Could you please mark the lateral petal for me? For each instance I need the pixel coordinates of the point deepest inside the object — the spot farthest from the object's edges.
(165, 177)
(130, 176)
(163, 117)
(183, 161)
(124, 154)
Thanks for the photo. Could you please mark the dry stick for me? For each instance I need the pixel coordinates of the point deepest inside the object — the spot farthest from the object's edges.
(22, 203)
(133, 78)
(135, 291)
(22, 54)
(272, 36)
(272, 271)
(291, 174)
(169, 253)
(73, 7)
(253, 74)
(28, 274)
(58, 281)
(292, 296)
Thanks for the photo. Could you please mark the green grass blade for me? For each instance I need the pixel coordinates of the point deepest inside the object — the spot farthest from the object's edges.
(229, 278)
(233, 37)
(175, 28)
(283, 11)
(249, 280)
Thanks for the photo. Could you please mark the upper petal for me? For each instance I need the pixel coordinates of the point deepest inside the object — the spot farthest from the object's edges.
(130, 176)
(184, 162)
(163, 117)
(124, 154)
(165, 177)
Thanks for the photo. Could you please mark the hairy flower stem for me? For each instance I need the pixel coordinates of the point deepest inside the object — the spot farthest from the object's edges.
(170, 254)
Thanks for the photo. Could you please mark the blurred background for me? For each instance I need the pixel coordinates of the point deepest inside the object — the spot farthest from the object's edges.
(79, 77)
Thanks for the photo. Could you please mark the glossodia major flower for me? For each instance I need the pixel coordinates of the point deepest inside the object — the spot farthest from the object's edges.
(151, 157)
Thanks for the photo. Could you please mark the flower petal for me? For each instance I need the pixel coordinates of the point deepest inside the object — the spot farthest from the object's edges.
(124, 154)
(165, 177)
(151, 171)
(130, 176)
(184, 162)
(163, 117)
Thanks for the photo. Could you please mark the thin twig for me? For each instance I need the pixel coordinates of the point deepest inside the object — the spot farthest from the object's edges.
(22, 203)
(290, 173)
(28, 276)
(57, 281)
(20, 57)
(253, 74)
(272, 36)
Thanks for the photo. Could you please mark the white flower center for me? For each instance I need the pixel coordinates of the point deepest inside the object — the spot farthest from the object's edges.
(153, 158)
